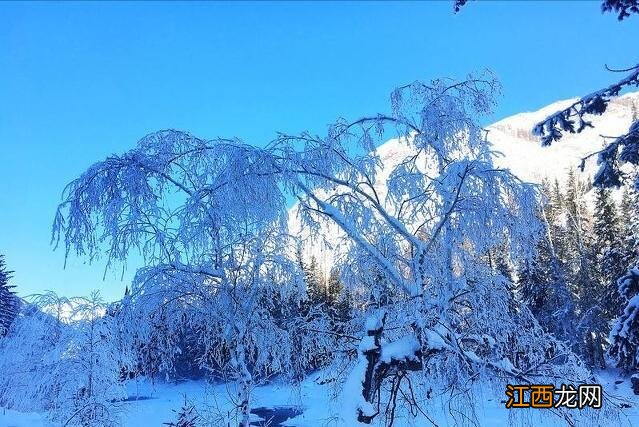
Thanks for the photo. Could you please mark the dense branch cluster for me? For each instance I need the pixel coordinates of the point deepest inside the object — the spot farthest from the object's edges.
(623, 8)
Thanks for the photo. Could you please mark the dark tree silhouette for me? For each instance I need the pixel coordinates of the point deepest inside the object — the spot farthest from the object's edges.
(9, 302)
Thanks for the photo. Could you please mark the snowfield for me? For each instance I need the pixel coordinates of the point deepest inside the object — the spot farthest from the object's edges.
(152, 404)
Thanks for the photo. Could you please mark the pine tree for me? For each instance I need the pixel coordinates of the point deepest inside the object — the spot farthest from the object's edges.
(624, 337)
(599, 300)
(542, 283)
(316, 291)
(339, 299)
(9, 302)
(630, 223)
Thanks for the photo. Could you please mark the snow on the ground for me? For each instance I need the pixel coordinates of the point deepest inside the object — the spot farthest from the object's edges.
(159, 402)
(11, 418)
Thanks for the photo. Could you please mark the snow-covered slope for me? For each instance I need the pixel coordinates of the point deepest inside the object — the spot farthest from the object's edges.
(516, 149)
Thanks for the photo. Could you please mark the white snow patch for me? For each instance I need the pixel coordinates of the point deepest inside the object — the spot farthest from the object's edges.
(401, 349)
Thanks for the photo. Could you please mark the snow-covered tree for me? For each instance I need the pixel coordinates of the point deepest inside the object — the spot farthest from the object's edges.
(92, 364)
(543, 287)
(599, 301)
(418, 238)
(624, 336)
(315, 283)
(619, 154)
(30, 353)
(9, 302)
(340, 298)
(209, 218)
(612, 255)
(630, 223)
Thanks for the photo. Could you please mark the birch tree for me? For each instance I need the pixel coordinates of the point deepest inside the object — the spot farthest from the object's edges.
(209, 217)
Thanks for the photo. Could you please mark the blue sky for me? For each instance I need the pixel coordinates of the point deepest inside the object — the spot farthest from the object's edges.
(80, 81)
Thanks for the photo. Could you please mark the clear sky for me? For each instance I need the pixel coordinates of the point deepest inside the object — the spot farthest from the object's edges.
(80, 81)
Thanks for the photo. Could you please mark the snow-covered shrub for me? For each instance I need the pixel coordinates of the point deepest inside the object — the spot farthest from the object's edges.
(30, 355)
(64, 356)
(185, 417)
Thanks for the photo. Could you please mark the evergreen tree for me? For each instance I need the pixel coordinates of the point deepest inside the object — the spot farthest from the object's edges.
(339, 299)
(624, 337)
(611, 256)
(334, 287)
(9, 302)
(630, 223)
(535, 285)
(578, 220)
(555, 201)
(542, 283)
(316, 291)
(499, 260)
(599, 301)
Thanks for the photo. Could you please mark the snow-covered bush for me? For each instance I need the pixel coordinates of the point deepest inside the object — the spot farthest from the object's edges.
(63, 356)
(30, 353)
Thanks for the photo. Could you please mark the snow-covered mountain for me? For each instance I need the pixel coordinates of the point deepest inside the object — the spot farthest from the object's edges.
(526, 158)
(520, 151)
(516, 149)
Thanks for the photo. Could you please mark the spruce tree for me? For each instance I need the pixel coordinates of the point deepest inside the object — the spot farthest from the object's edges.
(624, 337)
(611, 255)
(599, 301)
(315, 283)
(339, 300)
(9, 302)
(630, 223)
(542, 282)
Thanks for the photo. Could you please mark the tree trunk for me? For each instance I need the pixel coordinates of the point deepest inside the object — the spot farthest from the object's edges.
(377, 371)
(245, 382)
